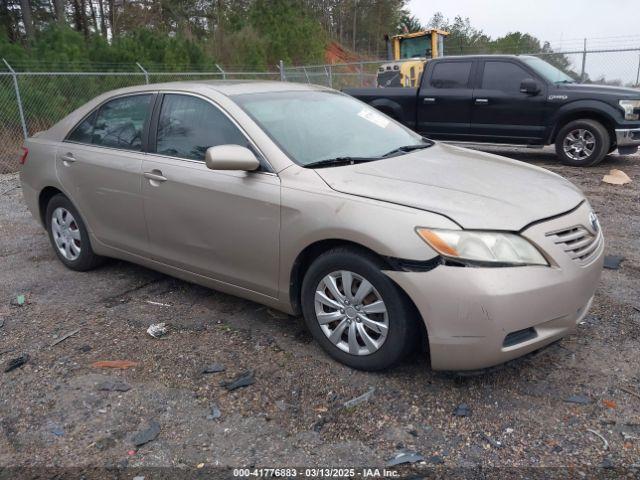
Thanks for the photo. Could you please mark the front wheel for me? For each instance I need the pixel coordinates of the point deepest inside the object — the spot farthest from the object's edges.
(355, 312)
(582, 143)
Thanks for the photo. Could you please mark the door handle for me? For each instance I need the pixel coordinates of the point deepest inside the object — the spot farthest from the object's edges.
(67, 159)
(155, 176)
(482, 101)
(428, 100)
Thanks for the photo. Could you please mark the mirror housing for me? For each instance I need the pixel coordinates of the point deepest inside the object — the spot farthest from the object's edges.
(529, 86)
(231, 157)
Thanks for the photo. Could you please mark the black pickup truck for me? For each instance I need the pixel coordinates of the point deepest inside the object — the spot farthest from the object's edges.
(514, 100)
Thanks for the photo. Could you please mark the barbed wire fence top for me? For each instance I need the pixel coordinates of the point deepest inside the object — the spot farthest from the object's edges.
(35, 94)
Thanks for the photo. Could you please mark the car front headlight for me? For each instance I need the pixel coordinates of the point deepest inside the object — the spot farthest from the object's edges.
(631, 109)
(484, 248)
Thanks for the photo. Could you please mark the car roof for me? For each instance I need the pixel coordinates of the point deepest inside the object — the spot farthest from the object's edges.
(225, 87)
(481, 56)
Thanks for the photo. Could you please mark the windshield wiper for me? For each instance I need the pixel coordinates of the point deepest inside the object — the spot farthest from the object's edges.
(331, 162)
(564, 81)
(408, 148)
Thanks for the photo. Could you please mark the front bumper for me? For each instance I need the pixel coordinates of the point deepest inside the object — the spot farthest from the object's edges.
(480, 317)
(627, 137)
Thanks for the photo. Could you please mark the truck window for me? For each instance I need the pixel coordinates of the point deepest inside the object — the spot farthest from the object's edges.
(503, 76)
(450, 75)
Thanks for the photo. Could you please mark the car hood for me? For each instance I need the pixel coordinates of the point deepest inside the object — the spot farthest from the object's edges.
(476, 190)
(592, 89)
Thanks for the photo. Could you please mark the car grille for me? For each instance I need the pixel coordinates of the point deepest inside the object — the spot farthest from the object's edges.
(577, 242)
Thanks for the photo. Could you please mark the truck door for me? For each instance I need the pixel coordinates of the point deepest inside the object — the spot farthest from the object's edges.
(500, 111)
(444, 99)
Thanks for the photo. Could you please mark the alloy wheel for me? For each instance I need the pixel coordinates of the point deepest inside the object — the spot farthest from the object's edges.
(579, 144)
(351, 313)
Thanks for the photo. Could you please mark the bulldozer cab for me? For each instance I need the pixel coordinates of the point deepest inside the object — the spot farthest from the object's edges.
(425, 44)
(407, 54)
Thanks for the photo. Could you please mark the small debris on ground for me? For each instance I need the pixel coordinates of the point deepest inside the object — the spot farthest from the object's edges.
(491, 441)
(609, 403)
(151, 302)
(436, 460)
(607, 464)
(57, 431)
(616, 177)
(16, 362)
(147, 435)
(214, 368)
(242, 380)
(19, 301)
(215, 413)
(579, 399)
(361, 399)
(121, 364)
(64, 337)
(1, 322)
(597, 434)
(114, 386)
(612, 262)
(404, 457)
(157, 330)
(462, 410)
(631, 392)
(105, 443)
(281, 405)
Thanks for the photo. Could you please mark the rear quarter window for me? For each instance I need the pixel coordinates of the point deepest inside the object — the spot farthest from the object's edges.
(450, 75)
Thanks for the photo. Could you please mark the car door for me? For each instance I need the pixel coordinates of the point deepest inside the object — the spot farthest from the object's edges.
(444, 99)
(500, 111)
(100, 164)
(221, 224)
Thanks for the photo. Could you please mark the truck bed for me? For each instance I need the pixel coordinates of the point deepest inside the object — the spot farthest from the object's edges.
(397, 102)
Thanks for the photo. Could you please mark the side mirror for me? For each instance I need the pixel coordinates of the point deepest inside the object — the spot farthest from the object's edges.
(231, 157)
(529, 86)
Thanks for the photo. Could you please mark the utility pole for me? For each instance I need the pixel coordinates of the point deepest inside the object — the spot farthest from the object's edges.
(638, 74)
(584, 60)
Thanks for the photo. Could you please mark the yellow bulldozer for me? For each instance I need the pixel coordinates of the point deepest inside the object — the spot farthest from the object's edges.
(406, 54)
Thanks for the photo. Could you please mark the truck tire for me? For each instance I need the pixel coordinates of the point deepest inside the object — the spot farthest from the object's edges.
(582, 143)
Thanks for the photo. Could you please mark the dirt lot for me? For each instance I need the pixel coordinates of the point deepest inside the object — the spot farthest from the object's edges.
(53, 413)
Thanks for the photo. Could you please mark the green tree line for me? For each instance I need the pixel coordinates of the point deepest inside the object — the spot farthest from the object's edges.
(255, 34)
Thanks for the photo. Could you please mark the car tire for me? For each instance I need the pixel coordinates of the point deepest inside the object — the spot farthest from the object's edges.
(582, 143)
(68, 235)
(384, 347)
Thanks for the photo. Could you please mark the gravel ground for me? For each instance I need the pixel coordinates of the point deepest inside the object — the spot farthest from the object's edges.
(53, 413)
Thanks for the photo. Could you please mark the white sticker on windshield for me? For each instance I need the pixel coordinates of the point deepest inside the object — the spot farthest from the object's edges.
(374, 117)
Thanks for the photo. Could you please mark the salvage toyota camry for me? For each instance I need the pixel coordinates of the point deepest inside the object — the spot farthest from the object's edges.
(309, 201)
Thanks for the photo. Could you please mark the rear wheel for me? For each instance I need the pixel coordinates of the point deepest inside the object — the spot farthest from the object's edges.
(355, 312)
(69, 236)
(582, 143)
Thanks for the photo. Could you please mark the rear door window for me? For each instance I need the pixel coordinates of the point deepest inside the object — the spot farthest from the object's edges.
(188, 126)
(120, 123)
(450, 75)
(83, 132)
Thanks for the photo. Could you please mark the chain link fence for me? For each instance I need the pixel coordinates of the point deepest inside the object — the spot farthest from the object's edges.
(32, 100)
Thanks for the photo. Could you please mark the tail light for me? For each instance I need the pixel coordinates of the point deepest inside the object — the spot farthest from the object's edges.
(23, 157)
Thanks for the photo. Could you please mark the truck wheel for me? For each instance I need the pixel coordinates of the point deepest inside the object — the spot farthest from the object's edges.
(582, 143)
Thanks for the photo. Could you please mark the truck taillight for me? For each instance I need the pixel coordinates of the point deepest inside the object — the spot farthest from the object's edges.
(23, 157)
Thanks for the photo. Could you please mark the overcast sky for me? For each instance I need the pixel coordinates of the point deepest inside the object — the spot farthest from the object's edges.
(564, 23)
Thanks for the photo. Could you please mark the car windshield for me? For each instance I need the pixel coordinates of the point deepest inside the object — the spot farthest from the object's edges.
(315, 126)
(547, 71)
